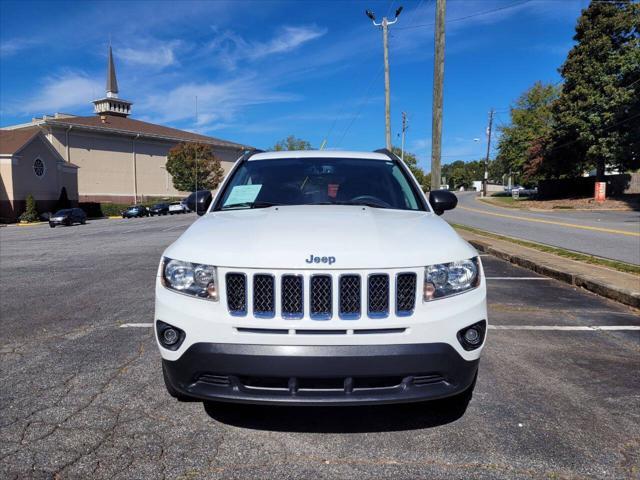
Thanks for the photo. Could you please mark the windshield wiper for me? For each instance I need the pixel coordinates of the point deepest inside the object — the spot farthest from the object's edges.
(359, 203)
(250, 205)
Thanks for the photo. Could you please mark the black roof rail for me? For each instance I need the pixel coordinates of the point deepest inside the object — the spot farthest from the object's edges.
(388, 153)
(247, 154)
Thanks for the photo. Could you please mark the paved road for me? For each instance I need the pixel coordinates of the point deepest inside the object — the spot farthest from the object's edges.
(614, 235)
(81, 397)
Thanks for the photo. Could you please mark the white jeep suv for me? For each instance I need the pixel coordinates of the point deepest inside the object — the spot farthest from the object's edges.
(321, 278)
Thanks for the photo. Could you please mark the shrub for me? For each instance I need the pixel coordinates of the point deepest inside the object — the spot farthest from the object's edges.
(30, 213)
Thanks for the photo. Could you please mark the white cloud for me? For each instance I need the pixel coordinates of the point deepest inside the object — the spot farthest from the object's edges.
(217, 102)
(62, 92)
(15, 45)
(231, 48)
(157, 54)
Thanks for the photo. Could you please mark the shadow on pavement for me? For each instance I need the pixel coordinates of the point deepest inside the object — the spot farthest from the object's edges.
(360, 419)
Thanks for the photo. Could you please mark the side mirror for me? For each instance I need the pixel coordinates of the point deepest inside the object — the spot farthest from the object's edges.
(200, 201)
(442, 200)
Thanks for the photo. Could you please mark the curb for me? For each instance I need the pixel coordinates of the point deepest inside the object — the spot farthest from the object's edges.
(622, 295)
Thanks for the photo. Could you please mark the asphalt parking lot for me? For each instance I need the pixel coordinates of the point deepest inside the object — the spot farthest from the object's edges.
(82, 397)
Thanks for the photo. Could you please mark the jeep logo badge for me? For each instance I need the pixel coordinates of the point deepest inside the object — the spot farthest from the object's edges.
(329, 260)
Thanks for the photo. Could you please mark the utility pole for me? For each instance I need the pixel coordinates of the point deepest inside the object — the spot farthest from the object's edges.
(196, 149)
(486, 161)
(404, 129)
(438, 85)
(387, 89)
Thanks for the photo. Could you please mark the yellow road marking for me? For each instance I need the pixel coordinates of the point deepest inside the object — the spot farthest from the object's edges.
(551, 222)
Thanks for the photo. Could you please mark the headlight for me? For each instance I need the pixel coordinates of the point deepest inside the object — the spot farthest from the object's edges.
(190, 278)
(447, 279)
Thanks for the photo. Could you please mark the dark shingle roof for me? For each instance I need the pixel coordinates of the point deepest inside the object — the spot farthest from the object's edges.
(128, 125)
(13, 140)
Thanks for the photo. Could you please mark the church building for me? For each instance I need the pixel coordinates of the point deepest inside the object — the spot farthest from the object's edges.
(107, 157)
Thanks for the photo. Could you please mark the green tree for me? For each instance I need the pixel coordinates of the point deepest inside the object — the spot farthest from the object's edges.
(462, 174)
(181, 164)
(531, 121)
(411, 161)
(597, 117)
(31, 212)
(291, 143)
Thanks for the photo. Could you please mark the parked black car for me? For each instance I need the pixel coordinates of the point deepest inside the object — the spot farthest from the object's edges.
(68, 217)
(135, 211)
(159, 209)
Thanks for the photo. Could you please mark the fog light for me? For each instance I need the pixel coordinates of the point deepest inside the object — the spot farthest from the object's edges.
(471, 337)
(170, 336)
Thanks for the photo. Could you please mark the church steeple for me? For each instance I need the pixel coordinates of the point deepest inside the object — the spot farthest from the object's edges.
(112, 83)
(111, 104)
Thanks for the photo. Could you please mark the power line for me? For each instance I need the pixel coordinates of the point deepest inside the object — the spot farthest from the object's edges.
(466, 17)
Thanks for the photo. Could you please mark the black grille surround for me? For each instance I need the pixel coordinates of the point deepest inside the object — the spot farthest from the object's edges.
(322, 295)
(292, 296)
(237, 293)
(264, 295)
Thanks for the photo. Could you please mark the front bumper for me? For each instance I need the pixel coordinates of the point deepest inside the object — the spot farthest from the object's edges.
(320, 375)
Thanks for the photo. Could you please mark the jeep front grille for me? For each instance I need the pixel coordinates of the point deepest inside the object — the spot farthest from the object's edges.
(292, 303)
(378, 295)
(265, 289)
(237, 293)
(405, 293)
(321, 297)
(350, 296)
(263, 295)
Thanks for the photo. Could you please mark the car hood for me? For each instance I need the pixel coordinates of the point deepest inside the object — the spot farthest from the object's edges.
(288, 236)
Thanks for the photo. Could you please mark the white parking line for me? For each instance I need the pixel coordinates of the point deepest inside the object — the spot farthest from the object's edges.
(136, 325)
(517, 278)
(566, 327)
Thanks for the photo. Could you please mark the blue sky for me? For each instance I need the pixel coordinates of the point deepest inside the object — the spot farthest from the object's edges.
(263, 70)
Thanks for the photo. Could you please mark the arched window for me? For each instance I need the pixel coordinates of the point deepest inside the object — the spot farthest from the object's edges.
(38, 167)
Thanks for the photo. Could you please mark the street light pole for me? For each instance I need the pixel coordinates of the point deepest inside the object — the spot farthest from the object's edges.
(387, 89)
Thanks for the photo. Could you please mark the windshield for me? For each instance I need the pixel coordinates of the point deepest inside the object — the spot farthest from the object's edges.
(160, 205)
(320, 181)
(62, 213)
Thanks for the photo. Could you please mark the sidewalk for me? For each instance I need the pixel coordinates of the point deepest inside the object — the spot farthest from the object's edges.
(618, 286)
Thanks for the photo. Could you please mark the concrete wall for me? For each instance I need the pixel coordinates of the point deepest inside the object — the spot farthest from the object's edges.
(107, 169)
(6, 189)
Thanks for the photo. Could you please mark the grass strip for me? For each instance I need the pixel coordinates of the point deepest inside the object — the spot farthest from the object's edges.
(561, 252)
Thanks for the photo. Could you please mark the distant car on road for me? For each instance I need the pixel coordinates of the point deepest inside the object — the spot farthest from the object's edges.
(177, 207)
(135, 211)
(159, 209)
(68, 217)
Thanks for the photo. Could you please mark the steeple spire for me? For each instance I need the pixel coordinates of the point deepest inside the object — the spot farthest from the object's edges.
(111, 104)
(112, 83)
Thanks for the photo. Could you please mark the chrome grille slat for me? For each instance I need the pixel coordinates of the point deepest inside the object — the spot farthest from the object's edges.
(350, 296)
(263, 295)
(320, 307)
(378, 295)
(405, 293)
(237, 293)
(292, 296)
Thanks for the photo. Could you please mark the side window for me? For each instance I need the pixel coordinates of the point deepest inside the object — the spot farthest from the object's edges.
(407, 194)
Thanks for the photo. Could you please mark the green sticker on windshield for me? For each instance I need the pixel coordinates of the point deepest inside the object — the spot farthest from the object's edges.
(243, 194)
